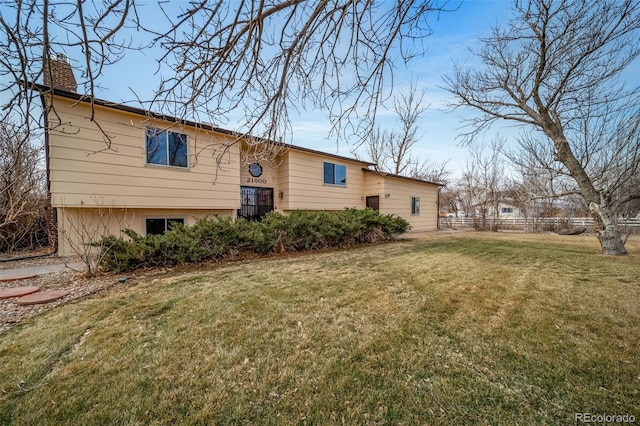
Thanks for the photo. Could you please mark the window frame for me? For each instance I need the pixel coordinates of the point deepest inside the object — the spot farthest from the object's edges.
(166, 220)
(165, 134)
(335, 175)
(415, 206)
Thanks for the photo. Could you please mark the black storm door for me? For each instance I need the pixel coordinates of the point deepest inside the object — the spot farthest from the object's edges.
(255, 202)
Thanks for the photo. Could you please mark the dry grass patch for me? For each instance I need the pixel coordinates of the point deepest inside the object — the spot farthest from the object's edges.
(458, 329)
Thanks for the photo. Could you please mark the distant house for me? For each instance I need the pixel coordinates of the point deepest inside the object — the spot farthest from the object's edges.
(506, 210)
(160, 170)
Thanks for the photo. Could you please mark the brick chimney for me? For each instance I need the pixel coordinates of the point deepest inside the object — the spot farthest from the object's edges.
(60, 74)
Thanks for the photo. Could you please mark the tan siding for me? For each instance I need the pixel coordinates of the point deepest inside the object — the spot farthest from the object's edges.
(374, 185)
(399, 202)
(82, 169)
(283, 203)
(130, 196)
(146, 171)
(149, 181)
(307, 190)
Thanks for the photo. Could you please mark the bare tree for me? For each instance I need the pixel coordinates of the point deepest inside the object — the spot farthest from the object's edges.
(22, 195)
(253, 58)
(482, 184)
(391, 150)
(556, 70)
(534, 187)
(35, 31)
(431, 171)
(533, 195)
(450, 200)
(85, 231)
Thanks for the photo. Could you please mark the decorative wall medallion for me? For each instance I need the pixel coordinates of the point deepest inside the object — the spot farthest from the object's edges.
(255, 170)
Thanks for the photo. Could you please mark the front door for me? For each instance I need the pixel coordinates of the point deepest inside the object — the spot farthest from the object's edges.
(373, 202)
(255, 202)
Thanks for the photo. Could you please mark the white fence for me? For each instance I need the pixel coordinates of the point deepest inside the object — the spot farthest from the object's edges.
(533, 224)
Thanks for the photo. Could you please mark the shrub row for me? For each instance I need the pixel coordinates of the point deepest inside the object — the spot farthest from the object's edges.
(218, 237)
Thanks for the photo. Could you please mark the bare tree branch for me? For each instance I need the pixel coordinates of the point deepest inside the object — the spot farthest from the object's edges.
(22, 195)
(251, 61)
(391, 150)
(556, 71)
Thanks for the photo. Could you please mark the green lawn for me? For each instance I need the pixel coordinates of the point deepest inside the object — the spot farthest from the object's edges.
(471, 328)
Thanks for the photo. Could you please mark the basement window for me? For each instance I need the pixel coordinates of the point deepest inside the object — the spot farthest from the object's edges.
(158, 226)
(166, 148)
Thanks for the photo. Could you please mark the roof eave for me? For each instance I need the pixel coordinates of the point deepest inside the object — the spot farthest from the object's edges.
(391, 175)
(139, 111)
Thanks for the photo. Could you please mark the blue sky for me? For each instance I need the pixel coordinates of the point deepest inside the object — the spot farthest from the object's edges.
(454, 33)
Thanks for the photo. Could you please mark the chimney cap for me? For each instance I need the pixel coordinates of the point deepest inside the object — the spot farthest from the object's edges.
(60, 57)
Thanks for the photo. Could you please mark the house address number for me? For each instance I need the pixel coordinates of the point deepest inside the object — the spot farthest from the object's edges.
(256, 180)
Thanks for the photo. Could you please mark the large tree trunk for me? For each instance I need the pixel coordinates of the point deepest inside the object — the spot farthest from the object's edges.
(605, 225)
(607, 230)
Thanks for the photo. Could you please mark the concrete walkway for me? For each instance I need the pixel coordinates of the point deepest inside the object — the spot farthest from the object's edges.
(22, 273)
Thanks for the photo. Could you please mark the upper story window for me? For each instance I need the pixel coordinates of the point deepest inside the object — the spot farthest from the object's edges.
(166, 148)
(334, 174)
(507, 210)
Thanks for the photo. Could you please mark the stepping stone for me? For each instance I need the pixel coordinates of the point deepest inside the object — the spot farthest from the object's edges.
(42, 297)
(16, 277)
(8, 293)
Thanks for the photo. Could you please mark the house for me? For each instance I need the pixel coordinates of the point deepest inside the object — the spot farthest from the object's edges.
(507, 210)
(112, 166)
(504, 209)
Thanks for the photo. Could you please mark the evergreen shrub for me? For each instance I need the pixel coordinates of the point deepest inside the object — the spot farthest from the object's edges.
(218, 238)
